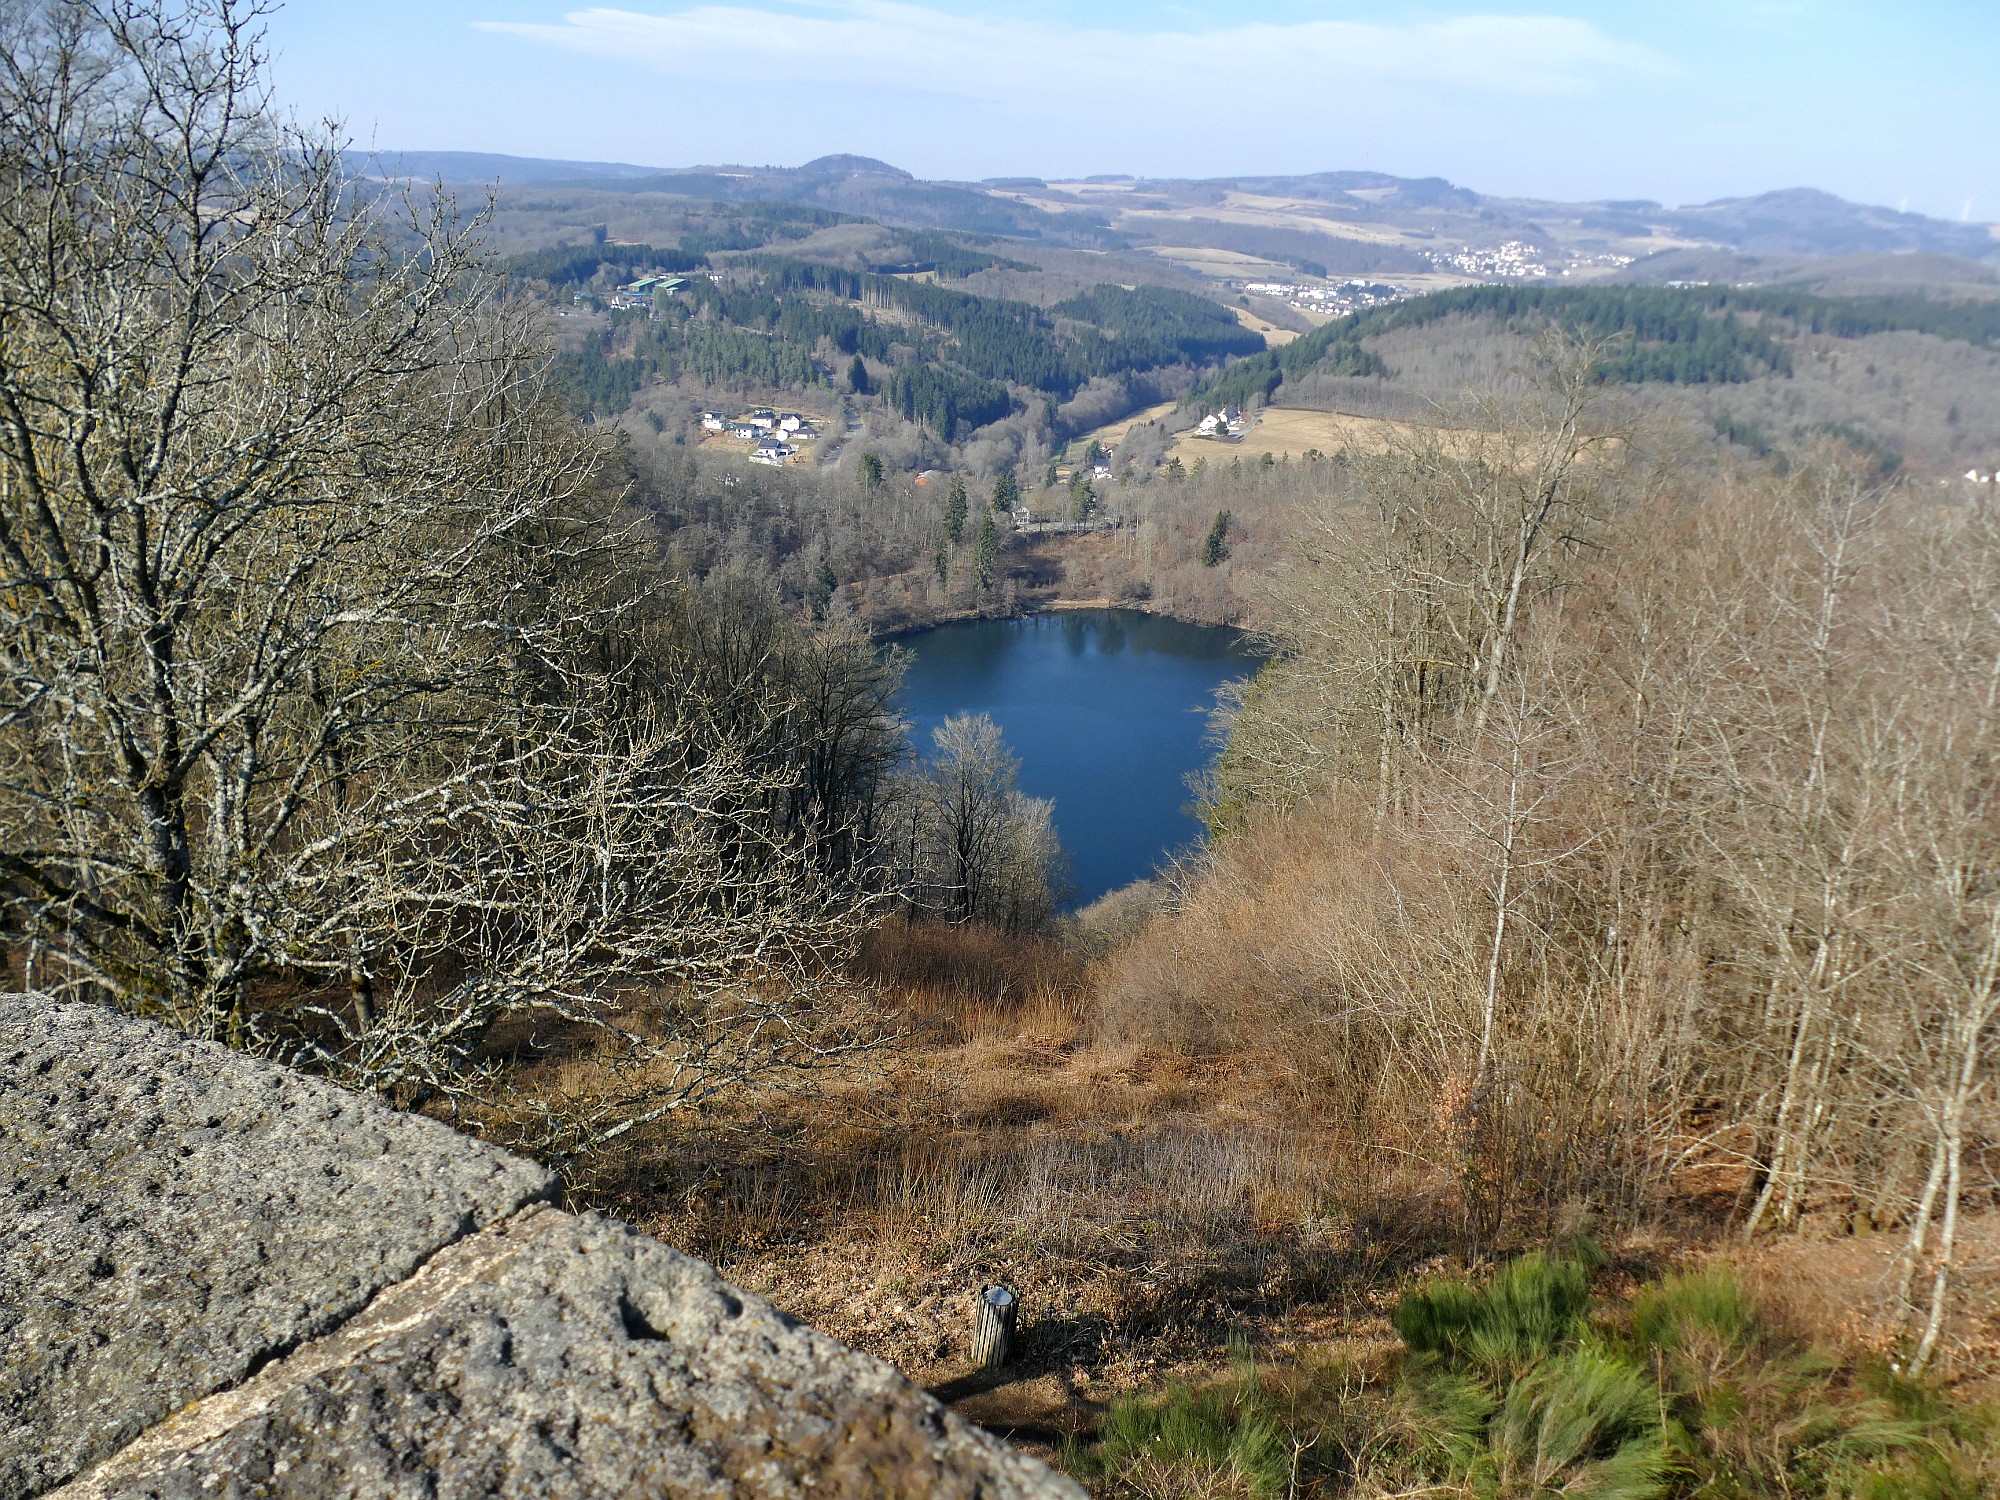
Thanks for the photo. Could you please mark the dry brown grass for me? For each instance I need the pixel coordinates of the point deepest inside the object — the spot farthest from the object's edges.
(1837, 1291)
(1145, 1201)
(1151, 1149)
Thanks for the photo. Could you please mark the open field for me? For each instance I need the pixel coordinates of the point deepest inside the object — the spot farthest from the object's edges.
(1220, 264)
(1273, 334)
(1252, 209)
(1111, 434)
(1290, 432)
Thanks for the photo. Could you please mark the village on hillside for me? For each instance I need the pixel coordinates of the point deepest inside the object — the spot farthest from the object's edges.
(1332, 301)
(774, 438)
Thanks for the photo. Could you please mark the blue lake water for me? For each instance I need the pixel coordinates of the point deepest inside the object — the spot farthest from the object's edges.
(1107, 711)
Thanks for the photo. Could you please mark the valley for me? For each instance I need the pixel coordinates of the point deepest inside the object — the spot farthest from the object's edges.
(1379, 802)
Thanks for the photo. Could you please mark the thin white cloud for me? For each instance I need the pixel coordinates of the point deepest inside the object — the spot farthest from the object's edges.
(881, 44)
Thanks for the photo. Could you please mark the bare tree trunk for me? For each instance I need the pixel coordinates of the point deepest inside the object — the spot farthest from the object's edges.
(1502, 895)
(1785, 1170)
(1953, 1141)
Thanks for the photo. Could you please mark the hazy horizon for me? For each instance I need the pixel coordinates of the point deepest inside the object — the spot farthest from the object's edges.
(1572, 101)
(389, 151)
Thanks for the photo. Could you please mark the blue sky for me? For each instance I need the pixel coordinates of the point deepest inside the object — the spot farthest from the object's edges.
(1678, 100)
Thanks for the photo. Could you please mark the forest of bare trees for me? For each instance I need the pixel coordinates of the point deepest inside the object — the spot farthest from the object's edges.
(347, 708)
(1622, 827)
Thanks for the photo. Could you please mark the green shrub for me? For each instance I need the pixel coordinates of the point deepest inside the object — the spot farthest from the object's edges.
(1508, 1389)
(1706, 1308)
(1531, 1307)
(1582, 1422)
(1436, 1319)
(1196, 1440)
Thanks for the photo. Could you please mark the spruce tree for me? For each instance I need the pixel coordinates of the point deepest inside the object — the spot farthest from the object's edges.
(954, 511)
(857, 377)
(986, 551)
(1080, 497)
(1218, 534)
(823, 587)
(1006, 491)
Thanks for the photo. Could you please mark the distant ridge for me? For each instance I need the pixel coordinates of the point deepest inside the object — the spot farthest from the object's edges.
(1806, 221)
(1787, 222)
(485, 166)
(852, 166)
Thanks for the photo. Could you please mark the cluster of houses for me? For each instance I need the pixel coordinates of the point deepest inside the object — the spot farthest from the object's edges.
(1517, 260)
(1225, 426)
(1332, 301)
(777, 435)
(642, 292)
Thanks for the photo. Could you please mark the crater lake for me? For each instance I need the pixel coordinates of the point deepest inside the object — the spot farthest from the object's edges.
(1107, 710)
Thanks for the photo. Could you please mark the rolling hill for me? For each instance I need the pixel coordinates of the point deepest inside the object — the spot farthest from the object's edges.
(1346, 222)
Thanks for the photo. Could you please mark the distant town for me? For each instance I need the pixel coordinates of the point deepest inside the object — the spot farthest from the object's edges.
(1518, 260)
(1334, 300)
(776, 438)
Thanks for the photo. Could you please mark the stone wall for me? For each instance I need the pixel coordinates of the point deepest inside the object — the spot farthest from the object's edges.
(219, 1278)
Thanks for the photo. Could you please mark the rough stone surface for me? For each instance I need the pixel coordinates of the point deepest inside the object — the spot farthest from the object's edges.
(225, 1280)
(177, 1214)
(569, 1356)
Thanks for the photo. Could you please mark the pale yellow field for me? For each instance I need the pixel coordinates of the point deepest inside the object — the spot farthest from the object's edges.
(1220, 263)
(1282, 430)
(1273, 334)
(1111, 434)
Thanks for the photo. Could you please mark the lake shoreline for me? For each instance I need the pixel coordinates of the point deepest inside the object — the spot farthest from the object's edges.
(1042, 575)
(1055, 607)
(1106, 708)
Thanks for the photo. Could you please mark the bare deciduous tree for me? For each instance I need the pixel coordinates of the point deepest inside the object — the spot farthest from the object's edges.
(318, 673)
(974, 847)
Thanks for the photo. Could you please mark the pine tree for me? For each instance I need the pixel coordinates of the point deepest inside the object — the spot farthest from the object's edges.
(871, 471)
(954, 511)
(1080, 497)
(1212, 550)
(824, 588)
(1176, 470)
(986, 551)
